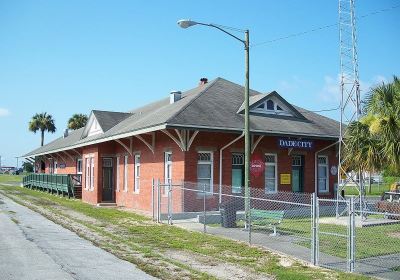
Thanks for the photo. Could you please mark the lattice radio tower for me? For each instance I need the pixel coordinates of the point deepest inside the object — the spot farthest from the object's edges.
(350, 107)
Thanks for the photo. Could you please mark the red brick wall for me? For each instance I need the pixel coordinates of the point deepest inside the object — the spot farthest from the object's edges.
(184, 168)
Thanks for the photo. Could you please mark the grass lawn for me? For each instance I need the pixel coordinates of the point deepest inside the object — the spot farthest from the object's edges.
(376, 190)
(149, 243)
(370, 241)
(5, 178)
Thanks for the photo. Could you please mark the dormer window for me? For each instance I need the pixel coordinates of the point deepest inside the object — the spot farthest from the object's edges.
(271, 107)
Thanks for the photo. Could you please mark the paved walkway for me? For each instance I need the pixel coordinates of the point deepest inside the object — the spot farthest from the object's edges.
(32, 247)
(380, 266)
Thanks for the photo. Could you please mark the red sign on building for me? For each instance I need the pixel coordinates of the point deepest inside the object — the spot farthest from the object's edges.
(257, 165)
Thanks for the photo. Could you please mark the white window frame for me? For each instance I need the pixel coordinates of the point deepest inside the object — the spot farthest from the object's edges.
(210, 162)
(125, 173)
(118, 173)
(87, 173)
(326, 165)
(167, 177)
(51, 166)
(79, 162)
(241, 164)
(91, 173)
(136, 181)
(55, 166)
(275, 163)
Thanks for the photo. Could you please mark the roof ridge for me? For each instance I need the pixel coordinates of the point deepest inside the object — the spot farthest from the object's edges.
(194, 99)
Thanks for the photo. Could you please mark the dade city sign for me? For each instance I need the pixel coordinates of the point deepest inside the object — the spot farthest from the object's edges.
(296, 144)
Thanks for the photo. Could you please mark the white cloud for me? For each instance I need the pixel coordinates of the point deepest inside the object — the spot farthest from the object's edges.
(4, 112)
(330, 92)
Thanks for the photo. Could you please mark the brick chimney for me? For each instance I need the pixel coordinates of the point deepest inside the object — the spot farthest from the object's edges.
(203, 81)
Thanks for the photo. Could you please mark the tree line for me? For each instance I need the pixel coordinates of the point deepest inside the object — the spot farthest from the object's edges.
(43, 122)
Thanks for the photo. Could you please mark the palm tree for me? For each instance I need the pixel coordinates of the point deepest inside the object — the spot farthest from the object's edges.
(43, 122)
(362, 149)
(77, 121)
(383, 108)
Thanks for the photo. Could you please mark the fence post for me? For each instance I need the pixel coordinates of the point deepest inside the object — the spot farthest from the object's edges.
(314, 229)
(351, 237)
(249, 219)
(169, 203)
(204, 209)
(158, 201)
(152, 199)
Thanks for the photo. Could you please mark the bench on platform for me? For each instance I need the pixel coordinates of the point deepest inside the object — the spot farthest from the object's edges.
(266, 218)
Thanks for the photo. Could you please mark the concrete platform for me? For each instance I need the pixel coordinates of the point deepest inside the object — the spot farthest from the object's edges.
(369, 222)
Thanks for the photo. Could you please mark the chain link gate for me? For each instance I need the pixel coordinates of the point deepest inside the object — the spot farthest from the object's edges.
(334, 237)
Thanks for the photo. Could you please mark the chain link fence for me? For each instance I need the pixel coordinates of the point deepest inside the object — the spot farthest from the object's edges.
(326, 232)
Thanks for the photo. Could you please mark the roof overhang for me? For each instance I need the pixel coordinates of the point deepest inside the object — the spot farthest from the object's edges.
(101, 140)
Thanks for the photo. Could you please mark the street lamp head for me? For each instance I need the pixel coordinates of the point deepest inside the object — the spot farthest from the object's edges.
(185, 23)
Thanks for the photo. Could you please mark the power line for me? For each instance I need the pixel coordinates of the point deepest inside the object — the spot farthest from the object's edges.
(302, 33)
(322, 110)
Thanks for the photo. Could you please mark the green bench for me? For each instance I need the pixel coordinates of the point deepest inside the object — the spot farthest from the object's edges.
(266, 219)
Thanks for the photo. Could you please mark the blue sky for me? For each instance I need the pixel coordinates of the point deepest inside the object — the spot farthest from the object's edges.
(66, 57)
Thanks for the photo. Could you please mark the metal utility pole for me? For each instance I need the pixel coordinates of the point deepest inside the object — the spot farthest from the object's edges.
(350, 105)
(185, 23)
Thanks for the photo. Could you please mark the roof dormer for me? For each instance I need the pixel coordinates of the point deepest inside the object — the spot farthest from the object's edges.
(271, 104)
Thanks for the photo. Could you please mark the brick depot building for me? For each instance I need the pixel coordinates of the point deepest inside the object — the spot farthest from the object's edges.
(196, 136)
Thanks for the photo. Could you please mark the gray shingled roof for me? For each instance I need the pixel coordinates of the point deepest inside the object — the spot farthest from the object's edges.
(212, 106)
(109, 119)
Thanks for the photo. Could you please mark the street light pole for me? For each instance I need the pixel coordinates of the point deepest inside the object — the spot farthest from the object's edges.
(185, 23)
(247, 127)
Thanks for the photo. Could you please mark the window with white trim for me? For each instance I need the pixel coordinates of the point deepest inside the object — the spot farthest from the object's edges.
(55, 166)
(118, 174)
(92, 173)
(51, 166)
(237, 172)
(205, 171)
(79, 166)
(136, 186)
(271, 173)
(167, 170)
(323, 174)
(125, 173)
(87, 173)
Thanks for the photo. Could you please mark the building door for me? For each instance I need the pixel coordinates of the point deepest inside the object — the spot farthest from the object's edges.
(108, 185)
(298, 173)
(237, 172)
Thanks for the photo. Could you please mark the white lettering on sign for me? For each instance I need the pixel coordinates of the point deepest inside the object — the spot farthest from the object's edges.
(301, 144)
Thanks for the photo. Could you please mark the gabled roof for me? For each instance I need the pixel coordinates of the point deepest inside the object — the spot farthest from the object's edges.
(257, 99)
(213, 106)
(109, 119)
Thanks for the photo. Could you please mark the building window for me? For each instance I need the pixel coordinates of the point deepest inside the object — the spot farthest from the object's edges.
(118, 175)
(79, 166)
(270, 105)
(89, 175)
(323, 178)
(125, 173)
(167, 171)
(51, 167)
(205, 171)
(136, 187)
(271, 184)
(55, 166)
(92, 173)
(237, 172)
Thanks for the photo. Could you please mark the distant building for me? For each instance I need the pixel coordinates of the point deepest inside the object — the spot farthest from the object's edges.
(182, 137)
